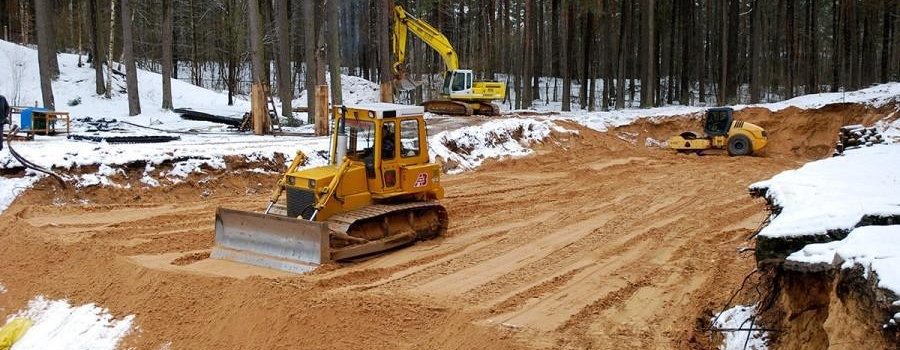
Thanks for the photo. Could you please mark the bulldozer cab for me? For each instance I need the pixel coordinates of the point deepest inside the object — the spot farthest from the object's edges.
(390, 141)
(718, 121)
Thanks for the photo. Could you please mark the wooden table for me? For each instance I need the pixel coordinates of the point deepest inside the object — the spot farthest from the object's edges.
(50, 118)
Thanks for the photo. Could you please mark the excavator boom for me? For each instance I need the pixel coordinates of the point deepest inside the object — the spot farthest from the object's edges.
(405, 22)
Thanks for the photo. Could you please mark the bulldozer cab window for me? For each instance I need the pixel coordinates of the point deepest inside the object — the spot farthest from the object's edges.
(409, 138)
(361, 135)
(388, 135)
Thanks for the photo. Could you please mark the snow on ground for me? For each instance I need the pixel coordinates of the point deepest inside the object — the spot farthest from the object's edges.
(467, 148)
(355, 90)
(875, 248)
(59, 325)
(207, 145)
(876, 96)
(740, 317)
(834, 193)
(10, 188)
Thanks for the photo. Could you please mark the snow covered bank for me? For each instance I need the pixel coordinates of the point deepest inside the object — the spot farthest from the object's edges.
(467, 148)
(833, 243)
(874, 248)
(834, 194)
(736, 324)
(59, 325)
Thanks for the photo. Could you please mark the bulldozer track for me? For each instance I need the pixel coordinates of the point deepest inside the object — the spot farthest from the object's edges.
(342, 222)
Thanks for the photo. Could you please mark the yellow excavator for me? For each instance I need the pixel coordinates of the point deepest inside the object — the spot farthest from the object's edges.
(379, 191)
(722, 132)
(461, 94)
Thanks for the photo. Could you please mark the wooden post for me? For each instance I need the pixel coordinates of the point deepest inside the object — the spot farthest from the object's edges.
(258, 109)
(321, 111)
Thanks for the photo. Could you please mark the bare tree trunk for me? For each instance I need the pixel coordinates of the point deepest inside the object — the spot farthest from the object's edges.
(52, 45)
(256, 47)
(564, 56)
(755, 48)
(309, 49)
(648, 81)
(45, 50)
(109, 56)
(285, 83)
(386, 8)
(333, 14)
(168, 12)
(97, 56)
(623, 45)
(134, 98)
(527, 56)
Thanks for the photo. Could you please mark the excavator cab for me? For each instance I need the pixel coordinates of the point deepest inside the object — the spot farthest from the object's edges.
(457, 82)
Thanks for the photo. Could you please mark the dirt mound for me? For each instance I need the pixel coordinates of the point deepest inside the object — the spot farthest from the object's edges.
(793, 132)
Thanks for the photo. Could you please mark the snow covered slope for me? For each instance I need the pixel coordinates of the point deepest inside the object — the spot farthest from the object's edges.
(851, 202)
(834, 193)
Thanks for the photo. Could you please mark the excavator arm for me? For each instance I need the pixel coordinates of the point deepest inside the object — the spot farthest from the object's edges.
(404, 23)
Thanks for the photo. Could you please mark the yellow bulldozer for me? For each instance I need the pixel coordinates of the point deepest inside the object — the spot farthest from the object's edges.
(379, 191)
(461, 94)
(722, 132)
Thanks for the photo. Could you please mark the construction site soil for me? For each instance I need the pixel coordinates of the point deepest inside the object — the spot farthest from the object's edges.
(594, 241)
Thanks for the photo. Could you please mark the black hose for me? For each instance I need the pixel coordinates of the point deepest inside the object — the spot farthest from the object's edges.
(28, 164)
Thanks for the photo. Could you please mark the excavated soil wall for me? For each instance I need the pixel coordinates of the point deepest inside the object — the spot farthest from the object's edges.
(829, 309)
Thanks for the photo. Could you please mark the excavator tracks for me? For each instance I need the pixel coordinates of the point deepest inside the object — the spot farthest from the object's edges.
(450, 107)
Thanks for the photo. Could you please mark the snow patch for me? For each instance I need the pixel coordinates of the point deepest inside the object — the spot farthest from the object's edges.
(467, 148)
(59, 325)
(834, 193)
(10, 188)
(875, 248)
(736, 323)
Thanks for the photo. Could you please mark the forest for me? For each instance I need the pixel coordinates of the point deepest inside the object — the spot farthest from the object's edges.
(581, 54)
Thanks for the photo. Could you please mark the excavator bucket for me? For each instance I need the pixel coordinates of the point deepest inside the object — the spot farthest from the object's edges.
(272, 241)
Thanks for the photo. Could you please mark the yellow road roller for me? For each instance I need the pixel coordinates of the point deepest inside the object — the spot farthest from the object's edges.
(722, 132)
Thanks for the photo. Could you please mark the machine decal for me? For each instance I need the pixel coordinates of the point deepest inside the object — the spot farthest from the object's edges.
(421, 180)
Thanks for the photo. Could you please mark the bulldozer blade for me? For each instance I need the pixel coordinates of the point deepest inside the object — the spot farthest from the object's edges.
(272, 241)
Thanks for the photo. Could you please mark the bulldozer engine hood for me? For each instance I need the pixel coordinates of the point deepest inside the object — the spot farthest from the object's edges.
(312, 178)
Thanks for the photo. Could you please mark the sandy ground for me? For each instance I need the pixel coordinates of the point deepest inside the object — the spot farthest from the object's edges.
(593, 242)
